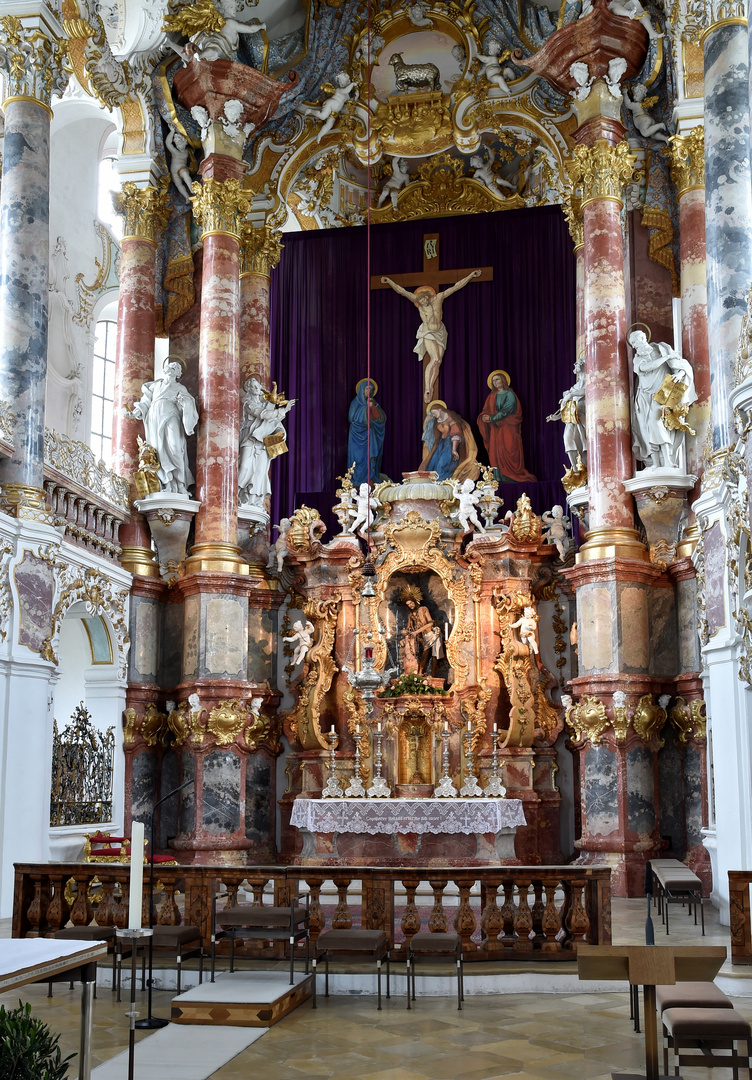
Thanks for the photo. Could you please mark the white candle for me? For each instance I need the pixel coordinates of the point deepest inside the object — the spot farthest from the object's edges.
(331, 729)
(357, 729)
(446, 725)
(135, 897)
(446, 631)
(469, 726)
(379, 727)
(496, 726)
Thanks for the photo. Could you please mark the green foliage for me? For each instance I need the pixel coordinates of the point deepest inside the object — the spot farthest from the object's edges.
(28, 1049)
(412, 683)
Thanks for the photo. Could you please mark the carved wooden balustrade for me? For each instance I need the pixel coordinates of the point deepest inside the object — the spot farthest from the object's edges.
(739, 915)
(522, 912)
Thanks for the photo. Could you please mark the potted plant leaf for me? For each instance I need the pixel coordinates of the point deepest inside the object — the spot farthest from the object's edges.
(28, 1049)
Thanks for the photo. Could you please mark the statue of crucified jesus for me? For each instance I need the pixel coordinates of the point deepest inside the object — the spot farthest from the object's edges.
(431, 337)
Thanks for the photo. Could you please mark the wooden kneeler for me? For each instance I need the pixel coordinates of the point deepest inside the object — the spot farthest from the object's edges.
(649, 966)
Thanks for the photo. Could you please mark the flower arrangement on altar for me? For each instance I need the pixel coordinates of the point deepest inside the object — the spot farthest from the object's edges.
(411, 683)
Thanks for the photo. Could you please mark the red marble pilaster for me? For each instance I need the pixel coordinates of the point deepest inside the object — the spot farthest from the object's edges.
(694, 297)
(255, 353)
(579, 257)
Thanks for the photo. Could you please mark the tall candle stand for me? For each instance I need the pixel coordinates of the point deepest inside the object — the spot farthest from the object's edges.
(133, 935)
(355, 789)
(379, 789)
(333, 789)
(446, 789)
(470, 787)
(494, 785)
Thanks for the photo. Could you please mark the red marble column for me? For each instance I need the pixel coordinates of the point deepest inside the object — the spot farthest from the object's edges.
(600, 170)
(144, 210)
(688, 172)
(579, 256)
(220, 208)
(260, 250)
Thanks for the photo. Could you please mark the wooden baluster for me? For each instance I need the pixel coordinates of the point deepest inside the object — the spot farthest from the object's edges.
(168, 913)
(315, 911)
(578, 922)
(550, 922)
(58, 908)
(82, 912)
(508, 913)
(377, 911)
(438, 923)
(491, 921)
(465, 922)
(342, 919)
(120, 911)
(258, 884)
(411, 919)
(106, 908)
(523, 920)
(283, 891)
(537, 911)
(36, 913)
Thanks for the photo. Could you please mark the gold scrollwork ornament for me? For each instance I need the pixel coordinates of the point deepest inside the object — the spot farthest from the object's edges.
(601, 171)
(648, 719)
(588, 719)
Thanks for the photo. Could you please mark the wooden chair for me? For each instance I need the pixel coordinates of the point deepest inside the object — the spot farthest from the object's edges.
(707, 1030)
(90, 933)
(369, 943)
(182, 942)
(437, 946)
(262, 923)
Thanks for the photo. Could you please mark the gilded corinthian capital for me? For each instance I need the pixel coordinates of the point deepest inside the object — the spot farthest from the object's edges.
(260, 249)
(601, 171)
(687, 156)
(220, 206)
(145, 209)
(32, 57)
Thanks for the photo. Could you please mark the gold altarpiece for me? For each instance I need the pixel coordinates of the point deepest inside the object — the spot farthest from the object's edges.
(477, 589)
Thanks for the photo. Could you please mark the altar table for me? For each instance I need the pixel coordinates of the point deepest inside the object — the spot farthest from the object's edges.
(398, 828)
(26, 960)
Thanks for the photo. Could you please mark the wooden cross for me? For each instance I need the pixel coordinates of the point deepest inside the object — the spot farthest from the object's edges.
(431, 274)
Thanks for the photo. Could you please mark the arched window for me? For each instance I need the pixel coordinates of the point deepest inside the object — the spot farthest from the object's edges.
(103, 389)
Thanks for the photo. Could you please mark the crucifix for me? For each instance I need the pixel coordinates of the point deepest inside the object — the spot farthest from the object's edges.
(431, 338)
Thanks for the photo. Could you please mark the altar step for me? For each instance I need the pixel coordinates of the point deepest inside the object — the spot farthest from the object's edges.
(242, 999)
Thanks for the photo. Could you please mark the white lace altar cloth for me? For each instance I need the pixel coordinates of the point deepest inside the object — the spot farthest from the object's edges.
(407, 815)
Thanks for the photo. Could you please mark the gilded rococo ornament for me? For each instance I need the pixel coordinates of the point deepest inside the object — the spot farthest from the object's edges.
(260, 249)
(687, 156)
(220, 206)
(32, 57)
(145, 210)
(648, 719)
(601, 171)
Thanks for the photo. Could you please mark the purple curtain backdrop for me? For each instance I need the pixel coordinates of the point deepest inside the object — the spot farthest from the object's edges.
(523, 321)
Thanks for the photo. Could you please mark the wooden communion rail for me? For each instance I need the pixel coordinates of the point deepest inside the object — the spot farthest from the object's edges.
(530, 912)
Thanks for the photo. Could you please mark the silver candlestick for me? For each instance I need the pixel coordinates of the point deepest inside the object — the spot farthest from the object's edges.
(379, 789)
(333, 789)
(470, 787)
(355, 788)
(494, 785)
(446, 789)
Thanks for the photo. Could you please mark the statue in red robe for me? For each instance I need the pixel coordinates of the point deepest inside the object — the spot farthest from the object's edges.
(499, 424)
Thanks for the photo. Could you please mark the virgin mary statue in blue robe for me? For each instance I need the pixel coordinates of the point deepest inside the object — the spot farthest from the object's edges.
(363, 411)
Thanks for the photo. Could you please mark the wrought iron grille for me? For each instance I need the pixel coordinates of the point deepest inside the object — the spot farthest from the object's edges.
(83, 759)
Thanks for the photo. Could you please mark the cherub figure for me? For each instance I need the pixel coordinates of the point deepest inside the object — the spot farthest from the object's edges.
(177, 144)
(416, 13)
(398, 179)
(556, 530)
(633, 9)
(230, 120)
(213, 30)
(468, 499)
(492, 61)
(369, 47)
(278, 549)
(527, 626)
(643, 121)
(616, 70)
(484, 173)
(302, 636)
(202, 118)
(580, 72)
(365, 504)
(334, 104)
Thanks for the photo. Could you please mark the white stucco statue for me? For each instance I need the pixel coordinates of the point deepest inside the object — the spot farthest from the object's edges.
(556, 527)
(491, 62)
(571, 412)
(643, 121)
(369, 48)
(483, 172)
(202, 118)
(580, 72)
(633, 9)
(177, 145)
(665, 390)
(365, 504)
(527, 626)
(232, 114)
(468, 498)
(616, 71)
(302, 638)
(213, 30)
(169, 414)
(393, 184)
(330, 109)
(261, 423)
(416, 13)
(278, 549)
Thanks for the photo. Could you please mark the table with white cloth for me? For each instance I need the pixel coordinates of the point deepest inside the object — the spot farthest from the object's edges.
(455, 830)
(27, 960)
